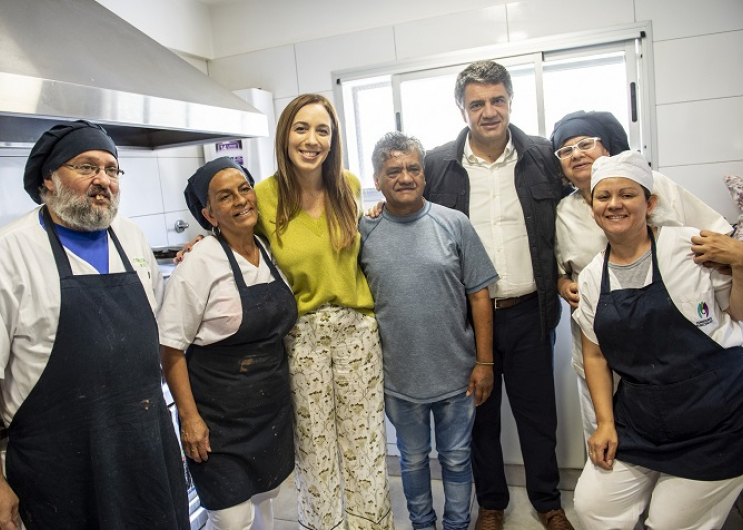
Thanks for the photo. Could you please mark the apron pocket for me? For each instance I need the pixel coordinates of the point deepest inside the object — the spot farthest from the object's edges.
(693, 408)
(636, 409)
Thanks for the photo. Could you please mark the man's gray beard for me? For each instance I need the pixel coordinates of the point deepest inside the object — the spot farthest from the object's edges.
(76, 211)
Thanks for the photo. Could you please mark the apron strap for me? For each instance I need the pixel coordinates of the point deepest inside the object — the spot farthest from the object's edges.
(124, 259)
(60, 256)
(239, 280)
(605, 286)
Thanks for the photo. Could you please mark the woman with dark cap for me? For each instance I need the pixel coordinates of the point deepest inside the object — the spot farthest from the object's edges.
(579, 139)
(229, 308)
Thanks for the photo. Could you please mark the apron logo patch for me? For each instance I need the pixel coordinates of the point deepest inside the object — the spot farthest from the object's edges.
(703, 311)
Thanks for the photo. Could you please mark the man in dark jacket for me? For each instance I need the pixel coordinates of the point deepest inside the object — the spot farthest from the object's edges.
(508, 184)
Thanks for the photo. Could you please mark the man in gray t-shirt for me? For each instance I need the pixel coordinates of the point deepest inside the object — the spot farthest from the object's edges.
(424, 263)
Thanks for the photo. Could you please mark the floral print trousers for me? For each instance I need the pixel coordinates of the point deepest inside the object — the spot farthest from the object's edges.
(335, 365)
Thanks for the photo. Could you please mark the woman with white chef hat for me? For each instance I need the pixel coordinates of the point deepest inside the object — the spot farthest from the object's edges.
(670, 440)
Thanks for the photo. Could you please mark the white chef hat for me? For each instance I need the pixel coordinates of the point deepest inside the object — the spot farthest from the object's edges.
(627, 164)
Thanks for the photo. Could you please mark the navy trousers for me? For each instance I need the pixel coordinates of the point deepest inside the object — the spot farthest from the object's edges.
(523, 360)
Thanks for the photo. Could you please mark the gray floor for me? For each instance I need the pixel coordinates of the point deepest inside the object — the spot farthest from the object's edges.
(519, 516)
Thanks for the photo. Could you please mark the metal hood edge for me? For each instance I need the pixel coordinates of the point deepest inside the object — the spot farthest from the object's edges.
(64, 60)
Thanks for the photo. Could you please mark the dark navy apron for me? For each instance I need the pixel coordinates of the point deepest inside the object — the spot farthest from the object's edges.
(93, 445)
(241, 388)
(679, 405)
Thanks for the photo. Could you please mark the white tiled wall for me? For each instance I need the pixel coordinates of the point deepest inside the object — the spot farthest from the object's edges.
(699, 68)
(674, 19)
(274, 69)
(420, 38)
(317, 58)
(540, 18)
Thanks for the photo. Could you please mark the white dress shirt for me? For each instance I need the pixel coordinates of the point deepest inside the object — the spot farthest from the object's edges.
(498, 218)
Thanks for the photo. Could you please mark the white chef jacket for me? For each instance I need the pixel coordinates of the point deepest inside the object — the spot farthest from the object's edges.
(30, 298)
(578, 238)
(498, 218)
(202, 304)
(688, 284)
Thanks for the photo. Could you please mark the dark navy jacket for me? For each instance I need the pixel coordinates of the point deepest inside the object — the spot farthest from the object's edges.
(539, 189)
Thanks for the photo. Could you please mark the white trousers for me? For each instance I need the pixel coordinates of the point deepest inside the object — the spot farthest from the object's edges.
(335, 367)
(254, 514)
(616, 499)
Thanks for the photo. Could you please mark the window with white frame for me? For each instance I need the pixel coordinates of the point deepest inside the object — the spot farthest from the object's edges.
(419, 100)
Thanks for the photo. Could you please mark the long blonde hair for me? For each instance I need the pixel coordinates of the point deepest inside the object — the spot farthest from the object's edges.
(341, 209)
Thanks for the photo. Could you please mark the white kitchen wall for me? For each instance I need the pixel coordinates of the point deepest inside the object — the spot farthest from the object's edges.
(248, 25)
(181, 25)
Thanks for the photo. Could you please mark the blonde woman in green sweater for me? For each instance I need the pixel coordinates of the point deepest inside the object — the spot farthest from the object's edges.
(309, 213)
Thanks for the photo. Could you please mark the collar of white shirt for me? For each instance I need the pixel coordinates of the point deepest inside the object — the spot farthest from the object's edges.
(471, 158)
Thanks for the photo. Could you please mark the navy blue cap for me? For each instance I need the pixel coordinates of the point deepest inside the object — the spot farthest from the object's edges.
(60, 144)
(593, 123)
(197, 189)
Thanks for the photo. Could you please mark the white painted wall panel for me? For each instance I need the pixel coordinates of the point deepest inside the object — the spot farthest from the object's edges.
(279, 104)
(251, 25)
(674, 19)
(273, 69)
(14, 201)
(468, 29)
(140, 187)
(174, 174)
(317, 58)
(183, 25)
(539, 18)
(153, 227)
(699, 67)
(700, 132)
(705, 181)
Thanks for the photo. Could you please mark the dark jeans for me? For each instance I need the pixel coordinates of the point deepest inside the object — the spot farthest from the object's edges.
(523, 359)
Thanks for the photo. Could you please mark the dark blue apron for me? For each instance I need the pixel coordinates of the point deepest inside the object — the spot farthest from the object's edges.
(93, 445)
(679, 406)
(241, 388)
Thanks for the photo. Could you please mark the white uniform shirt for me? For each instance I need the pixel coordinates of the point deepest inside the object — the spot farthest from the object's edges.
(498, 218)
(202, 304)
(30, 298)
(578, 238)
(691, 287)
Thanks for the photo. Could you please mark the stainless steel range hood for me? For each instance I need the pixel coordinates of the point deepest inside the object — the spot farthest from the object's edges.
(63, 60)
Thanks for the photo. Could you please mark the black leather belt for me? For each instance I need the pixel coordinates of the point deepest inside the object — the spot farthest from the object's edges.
(505, 303)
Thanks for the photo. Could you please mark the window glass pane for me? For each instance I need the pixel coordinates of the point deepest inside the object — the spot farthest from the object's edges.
(596, 83)
(429, 111)
(524, 105)
(369, 113)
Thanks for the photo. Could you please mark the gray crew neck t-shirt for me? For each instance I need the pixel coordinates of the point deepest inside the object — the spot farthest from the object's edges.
(420, 269)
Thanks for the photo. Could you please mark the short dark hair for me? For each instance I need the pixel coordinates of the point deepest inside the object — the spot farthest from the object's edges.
(395, 141)
(486, 72)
